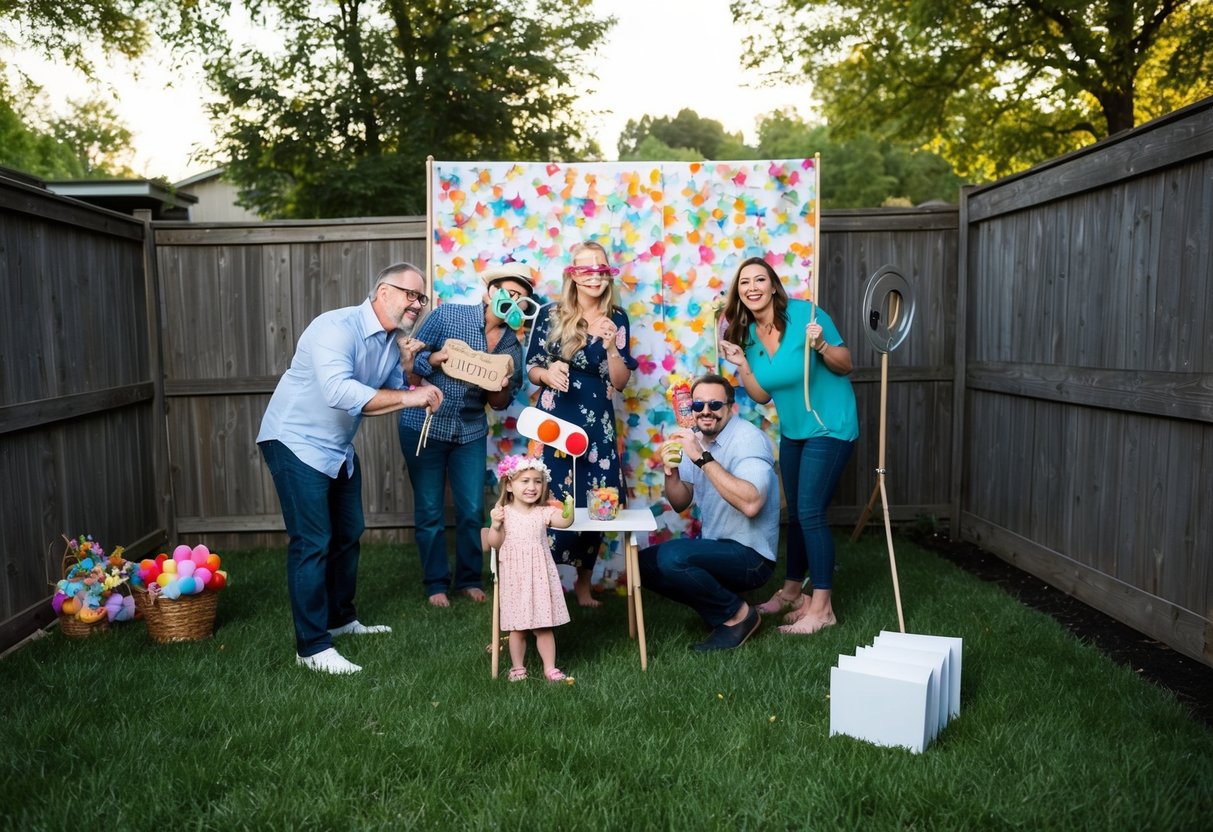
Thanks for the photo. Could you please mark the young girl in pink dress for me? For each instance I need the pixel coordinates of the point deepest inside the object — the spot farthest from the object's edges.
(528, 584)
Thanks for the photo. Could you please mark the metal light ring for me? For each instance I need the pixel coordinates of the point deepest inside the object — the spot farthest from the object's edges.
(888, 309)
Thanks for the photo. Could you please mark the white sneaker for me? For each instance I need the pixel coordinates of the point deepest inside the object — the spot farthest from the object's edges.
(355, 628)
(328, 661)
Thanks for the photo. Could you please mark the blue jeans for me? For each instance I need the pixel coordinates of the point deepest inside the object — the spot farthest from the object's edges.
(428, 471)
(706, 575)
(810, 469)
(323, 521)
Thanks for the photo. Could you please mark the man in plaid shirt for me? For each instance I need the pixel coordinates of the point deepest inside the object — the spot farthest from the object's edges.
(456, 444)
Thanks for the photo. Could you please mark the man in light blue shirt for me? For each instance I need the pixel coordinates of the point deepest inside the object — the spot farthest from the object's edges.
(727, 467)
(346, 366)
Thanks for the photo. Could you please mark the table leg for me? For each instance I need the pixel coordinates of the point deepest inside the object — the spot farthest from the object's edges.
(629, 571)
(635, 605)
(496, 642)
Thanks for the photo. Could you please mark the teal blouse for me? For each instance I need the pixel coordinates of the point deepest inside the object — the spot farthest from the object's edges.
(782, 375)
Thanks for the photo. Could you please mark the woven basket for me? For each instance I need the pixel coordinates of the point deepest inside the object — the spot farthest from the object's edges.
(189, 618)
(73, 627)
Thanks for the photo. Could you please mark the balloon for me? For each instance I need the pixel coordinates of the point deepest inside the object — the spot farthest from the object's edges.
(147, 563)
(218, 581)
(164, 579)
(186, 568)
(172, 590)
(203, 574)
(170, 567)
(57, 602)
(212, 562)
(182, 552)
(199, 554)
(161, 558)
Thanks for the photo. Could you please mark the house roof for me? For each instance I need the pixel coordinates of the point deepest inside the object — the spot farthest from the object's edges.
(198, 178)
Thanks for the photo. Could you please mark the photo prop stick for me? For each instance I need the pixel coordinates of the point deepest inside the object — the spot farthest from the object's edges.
(813, 277)
(554, 432)
(424, 436)
(480, 369)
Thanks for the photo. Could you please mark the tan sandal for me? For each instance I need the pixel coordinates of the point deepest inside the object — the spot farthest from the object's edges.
(779, 603)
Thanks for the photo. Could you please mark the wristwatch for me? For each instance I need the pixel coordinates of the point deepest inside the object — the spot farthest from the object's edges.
(704, 460)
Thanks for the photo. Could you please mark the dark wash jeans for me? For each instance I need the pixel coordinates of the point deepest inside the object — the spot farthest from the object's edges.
(463, 464)
(706, 575)
(324, 522)
(810, 469)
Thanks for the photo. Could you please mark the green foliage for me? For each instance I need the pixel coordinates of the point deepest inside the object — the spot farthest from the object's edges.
(228, 733)
(340, 120)
(992, 86)
(65, 29)
(687, 131)
(862, 171)
(87, 142)
(859, 172)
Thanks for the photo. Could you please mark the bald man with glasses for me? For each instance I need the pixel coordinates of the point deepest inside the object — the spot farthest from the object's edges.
(347, 365)
(727, 468)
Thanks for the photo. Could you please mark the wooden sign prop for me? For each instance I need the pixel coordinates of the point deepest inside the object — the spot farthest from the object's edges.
(488, 372)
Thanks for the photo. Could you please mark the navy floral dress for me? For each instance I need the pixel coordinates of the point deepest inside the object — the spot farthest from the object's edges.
(585, 404)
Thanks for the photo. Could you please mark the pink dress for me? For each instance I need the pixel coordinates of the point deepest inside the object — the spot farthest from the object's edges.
(531, 595)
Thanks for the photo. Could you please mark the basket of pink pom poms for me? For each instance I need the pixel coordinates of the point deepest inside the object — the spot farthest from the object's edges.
(181, 595)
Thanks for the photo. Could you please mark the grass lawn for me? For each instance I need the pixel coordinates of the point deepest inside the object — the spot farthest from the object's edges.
(116, 732)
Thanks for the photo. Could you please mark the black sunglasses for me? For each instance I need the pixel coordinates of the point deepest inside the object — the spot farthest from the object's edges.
(713, 405)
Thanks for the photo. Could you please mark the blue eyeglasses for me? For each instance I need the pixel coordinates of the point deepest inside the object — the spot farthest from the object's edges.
(713, 405)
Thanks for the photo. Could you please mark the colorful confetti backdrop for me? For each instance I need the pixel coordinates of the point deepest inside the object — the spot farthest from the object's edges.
(676, 230)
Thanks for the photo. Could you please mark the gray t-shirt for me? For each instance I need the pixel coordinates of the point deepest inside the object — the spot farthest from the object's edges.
(746, 453)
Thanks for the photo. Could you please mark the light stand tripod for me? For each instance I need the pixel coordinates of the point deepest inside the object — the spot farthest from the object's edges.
(889, 312)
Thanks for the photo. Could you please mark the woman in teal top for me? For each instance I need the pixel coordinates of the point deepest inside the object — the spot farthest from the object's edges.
(767, 338)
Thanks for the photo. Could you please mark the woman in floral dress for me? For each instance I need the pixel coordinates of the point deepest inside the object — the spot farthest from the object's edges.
(579, 356)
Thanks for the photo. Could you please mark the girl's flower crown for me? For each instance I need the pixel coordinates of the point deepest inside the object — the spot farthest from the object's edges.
(512, 466)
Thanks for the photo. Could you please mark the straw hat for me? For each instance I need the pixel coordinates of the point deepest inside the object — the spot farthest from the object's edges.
(512, 271)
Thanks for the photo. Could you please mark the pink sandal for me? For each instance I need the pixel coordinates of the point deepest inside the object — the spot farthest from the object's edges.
(556, 675)
(517, 674)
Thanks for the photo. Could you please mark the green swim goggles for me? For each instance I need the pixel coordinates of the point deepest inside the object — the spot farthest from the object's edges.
(514, 310)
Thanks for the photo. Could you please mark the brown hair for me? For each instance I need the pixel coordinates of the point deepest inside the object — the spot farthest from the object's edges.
(739, 317)
(504, 496)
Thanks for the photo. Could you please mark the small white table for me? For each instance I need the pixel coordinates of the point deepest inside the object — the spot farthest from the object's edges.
(629, 521)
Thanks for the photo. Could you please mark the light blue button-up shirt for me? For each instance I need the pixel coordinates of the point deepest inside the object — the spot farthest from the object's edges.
(343, 359)
(746, 453)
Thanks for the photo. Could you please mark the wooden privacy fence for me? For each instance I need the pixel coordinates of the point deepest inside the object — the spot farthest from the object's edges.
(1085, 376)
(81, 447)
(237, 297)
(1054, 400)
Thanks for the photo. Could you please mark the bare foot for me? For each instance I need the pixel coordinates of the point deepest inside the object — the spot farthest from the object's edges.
(475, 593)
(584, 596)
(808, 624)
(582, 590)
(439, 599)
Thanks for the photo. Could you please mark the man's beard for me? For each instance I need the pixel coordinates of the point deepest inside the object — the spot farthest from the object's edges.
(405, 328)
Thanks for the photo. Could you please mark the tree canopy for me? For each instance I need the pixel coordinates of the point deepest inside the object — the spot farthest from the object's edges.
(993, 85)
(340, 119)
(861, 171)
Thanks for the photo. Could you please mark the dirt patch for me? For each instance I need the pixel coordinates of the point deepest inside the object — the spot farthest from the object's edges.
(1190, 681)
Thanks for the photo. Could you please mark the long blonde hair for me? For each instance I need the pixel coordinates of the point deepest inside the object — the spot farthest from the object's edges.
(568, 327)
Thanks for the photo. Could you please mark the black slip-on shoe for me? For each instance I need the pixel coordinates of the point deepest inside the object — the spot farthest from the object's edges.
(726, 636)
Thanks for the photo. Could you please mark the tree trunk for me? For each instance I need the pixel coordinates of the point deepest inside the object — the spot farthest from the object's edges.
(1117, 109)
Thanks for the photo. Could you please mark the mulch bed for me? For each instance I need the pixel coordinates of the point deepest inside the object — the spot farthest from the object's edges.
(1190, 681)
